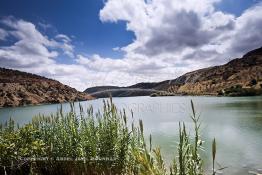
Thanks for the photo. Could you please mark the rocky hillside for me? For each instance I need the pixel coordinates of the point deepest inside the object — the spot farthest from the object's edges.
(242, 73)
(241, 76)
(20, 88)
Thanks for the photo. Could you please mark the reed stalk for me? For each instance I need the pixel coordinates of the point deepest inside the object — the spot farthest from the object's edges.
(86, 142)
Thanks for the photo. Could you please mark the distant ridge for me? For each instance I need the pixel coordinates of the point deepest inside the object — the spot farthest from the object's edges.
(240, 76)
(20, 88)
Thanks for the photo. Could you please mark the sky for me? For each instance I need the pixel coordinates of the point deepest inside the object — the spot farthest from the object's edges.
(89, 43)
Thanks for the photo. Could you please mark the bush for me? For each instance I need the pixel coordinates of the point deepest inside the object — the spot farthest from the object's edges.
(253, 82)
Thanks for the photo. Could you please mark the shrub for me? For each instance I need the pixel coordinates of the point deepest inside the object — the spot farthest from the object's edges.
(253, 82)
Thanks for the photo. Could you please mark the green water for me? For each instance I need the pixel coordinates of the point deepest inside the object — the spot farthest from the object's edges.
(235, 122)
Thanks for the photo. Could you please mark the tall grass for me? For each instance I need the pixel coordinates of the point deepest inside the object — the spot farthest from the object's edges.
(93, 143)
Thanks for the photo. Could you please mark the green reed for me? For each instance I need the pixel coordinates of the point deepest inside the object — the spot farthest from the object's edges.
(86, 142)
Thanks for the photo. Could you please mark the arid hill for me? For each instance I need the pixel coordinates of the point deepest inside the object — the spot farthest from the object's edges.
(241, 73)
(241, 76)
(20, 88)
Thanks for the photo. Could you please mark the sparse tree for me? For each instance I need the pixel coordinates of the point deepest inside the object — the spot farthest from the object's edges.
(253, 82)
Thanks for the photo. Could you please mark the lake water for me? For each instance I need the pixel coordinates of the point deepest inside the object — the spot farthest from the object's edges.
(235, 122)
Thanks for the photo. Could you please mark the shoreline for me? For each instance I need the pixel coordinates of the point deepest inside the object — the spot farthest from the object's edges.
(176, 95)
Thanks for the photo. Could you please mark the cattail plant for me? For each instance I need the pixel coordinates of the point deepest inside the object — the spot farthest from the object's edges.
(213, 155)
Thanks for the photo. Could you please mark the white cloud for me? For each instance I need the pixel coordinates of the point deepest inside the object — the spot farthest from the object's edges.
(248, 31)
(45, 26)
(36, 53)
(3, 34)
(65, 45)
(31, 48)
(63, 37)
(185, 35)
(97, 63)
(171, 38)
(116, 49)
(164, 26)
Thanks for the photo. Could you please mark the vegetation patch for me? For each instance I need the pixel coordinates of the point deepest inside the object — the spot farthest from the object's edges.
(94, 143)
(238, 90)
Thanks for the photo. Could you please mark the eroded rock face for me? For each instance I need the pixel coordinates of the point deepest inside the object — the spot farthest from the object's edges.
(20, 88)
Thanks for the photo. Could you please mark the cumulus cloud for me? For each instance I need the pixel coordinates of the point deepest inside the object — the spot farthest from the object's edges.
(171, 38)
(34, 52)
(162, 26)
(191, 33)
(248, 33)
(31, 48)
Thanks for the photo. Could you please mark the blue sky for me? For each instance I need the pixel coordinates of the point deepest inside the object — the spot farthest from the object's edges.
(79, 19)
(236, 7)
(152, 44)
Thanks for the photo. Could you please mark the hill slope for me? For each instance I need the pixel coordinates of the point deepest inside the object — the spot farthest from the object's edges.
(241, 76)
(245, 72)
(21, 88)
